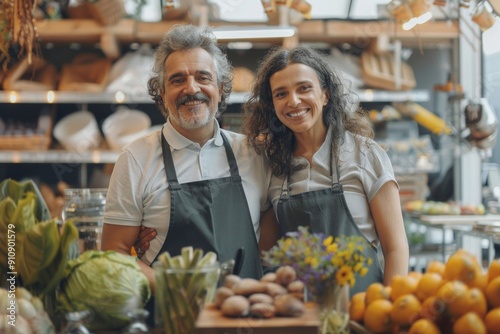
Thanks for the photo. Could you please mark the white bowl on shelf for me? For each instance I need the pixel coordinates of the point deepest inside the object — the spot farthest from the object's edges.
(124, 126)
(78, 132)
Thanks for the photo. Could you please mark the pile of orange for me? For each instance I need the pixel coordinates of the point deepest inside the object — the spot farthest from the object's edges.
(454, 297)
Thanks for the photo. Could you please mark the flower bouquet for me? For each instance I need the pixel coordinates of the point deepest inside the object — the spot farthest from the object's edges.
(328, 266)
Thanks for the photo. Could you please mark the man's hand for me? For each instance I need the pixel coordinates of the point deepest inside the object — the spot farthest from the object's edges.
(146, 234)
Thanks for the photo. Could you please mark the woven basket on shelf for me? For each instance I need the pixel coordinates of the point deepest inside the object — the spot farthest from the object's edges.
(106, 12)
(37, 140)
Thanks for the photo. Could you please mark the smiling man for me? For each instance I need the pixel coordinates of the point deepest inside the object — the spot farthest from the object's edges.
(192, 182)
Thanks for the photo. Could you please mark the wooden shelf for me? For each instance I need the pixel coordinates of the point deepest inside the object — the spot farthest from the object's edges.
(59, 156)
(128, 31)
(363, 95)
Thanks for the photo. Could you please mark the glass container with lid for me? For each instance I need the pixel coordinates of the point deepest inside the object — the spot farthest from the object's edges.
(85, 207)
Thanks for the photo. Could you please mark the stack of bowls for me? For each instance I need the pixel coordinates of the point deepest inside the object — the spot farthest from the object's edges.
(124, 126)
(78, 132)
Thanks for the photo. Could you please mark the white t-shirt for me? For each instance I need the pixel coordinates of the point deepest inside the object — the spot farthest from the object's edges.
(363, 171)
(138, 192)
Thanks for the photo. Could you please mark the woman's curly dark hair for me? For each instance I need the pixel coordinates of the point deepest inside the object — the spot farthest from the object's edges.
(187, 37)
(268, 135)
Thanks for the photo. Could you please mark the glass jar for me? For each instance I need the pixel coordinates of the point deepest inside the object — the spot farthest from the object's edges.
(85, 207)
(75, 323)
(137, 323)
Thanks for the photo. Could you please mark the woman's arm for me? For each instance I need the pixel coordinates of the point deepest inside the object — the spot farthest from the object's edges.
(386, 211)
(269, 230)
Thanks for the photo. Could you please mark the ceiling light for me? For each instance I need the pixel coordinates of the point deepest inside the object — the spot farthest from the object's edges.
(410, 24)
(410, 13)
(229, 33)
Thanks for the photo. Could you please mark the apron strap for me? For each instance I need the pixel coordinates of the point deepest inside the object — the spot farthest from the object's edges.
(173, 183)
(231, 160)
(335, 185)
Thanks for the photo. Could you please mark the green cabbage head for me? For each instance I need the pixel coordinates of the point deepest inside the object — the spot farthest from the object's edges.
(107, 284)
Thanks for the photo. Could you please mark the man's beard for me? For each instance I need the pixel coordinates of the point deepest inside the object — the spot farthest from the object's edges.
(195, 119)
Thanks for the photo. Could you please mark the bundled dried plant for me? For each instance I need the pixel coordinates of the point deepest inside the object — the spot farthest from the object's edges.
(17, 27)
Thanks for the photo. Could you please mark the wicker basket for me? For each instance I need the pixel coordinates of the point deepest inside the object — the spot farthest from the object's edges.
(106, 12)
(38, 140)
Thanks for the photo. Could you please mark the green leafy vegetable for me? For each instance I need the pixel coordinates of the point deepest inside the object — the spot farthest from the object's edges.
(18, 190)
(108, 284)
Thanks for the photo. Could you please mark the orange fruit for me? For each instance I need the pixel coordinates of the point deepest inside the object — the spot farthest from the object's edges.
(472, 300)
(402, 285)
(469, 323)
(481, 281)
(435, 267)
(428, 285)
(357, 307)
(415, 274)
(424, 326)
(462, 266)
(492, 321)
(377, 318)
(376, 291)
(493, 269)
(449, 292)
(432, 309)
(492, 292)
(405, 310)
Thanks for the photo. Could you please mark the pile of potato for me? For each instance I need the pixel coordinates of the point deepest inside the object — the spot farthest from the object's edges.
(275, 294)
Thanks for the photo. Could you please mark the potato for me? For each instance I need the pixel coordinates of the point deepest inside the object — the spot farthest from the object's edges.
(288, 306)
(274, 289)
(285, 275)
(299, 295)
(235, 306)
(248, 286)
(269, 277)
(296, 286)
(260, 298)
(230, 281)
(262, 310)
(222, 294)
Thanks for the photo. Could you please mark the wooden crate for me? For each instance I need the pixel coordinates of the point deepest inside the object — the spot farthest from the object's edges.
(379, 71)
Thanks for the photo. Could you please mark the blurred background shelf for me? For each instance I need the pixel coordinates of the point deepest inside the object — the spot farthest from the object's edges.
(58, 156)
(364, 95)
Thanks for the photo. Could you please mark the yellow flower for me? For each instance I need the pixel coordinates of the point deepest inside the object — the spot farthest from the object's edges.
(337, 261)
(363, 272)
(358, 266)
(328, 241)
(333, 248)
(344, 275)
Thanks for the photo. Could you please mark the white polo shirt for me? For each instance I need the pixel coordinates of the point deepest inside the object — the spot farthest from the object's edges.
(363, 171)
(138, 192)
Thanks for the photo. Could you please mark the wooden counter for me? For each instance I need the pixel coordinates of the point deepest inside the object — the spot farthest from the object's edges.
(211, 321)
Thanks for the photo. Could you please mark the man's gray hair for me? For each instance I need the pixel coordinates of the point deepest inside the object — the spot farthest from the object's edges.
(187, 37)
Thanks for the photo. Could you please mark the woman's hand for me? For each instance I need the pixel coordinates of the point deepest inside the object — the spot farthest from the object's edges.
(146, 234)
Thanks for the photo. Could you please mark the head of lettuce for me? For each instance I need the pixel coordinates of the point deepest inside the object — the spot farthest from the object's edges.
(107, 284)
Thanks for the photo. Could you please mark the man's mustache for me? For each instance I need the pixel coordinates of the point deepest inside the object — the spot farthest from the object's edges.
(188, 98)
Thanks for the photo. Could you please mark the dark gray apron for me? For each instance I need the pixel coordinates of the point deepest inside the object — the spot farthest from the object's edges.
(212, 215)
(326, 211)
